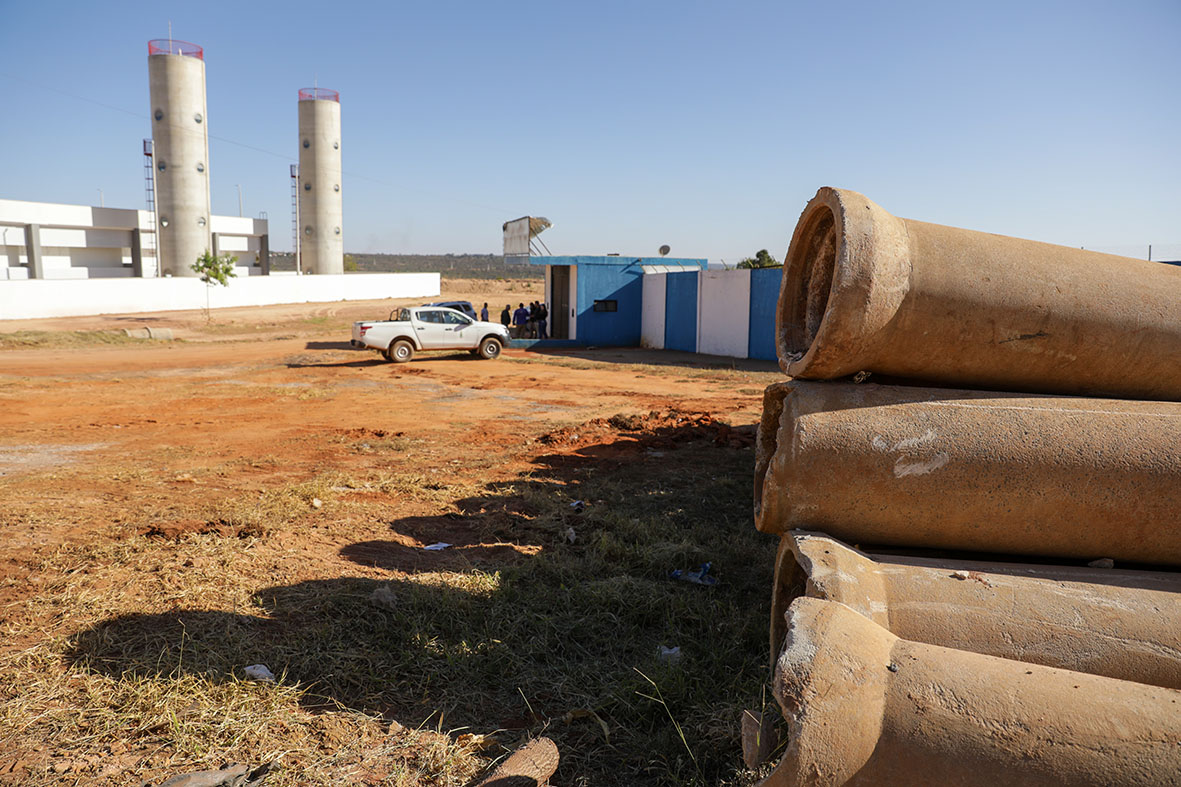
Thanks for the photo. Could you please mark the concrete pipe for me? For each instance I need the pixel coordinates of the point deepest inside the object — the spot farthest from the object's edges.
(866, 291)
(865, 707)
(968, 470)
(148, 332)
(1121, 624)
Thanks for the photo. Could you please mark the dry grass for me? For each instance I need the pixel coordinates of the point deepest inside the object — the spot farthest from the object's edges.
(127, 664)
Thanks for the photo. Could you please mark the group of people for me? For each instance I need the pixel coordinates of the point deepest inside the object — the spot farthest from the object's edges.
(525, 322)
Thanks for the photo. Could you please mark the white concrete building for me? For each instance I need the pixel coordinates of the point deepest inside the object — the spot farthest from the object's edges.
(51, 255)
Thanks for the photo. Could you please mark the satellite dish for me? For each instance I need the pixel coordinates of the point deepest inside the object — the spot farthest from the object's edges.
(664, 250)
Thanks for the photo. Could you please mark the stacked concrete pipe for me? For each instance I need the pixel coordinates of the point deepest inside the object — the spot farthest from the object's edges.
(933, 617)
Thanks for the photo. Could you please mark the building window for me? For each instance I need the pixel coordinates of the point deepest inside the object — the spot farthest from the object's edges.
(337, 230)
(307, 187)
(197, 117)
(159, 114)
(336, 187)
(307, 144)
(160, 165)
(606, 306)
(200, 167)
(200, 221)
(336, 146)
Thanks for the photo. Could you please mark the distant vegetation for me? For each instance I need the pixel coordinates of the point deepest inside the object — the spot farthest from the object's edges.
(762, 259)
(452, 266)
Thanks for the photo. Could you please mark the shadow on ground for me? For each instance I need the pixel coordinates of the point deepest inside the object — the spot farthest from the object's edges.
(550, 613)
(647, 357)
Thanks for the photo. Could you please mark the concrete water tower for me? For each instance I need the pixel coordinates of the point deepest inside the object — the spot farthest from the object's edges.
(321, 242)
(180, 143)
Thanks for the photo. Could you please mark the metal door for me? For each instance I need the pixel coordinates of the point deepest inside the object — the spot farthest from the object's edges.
(559, 313)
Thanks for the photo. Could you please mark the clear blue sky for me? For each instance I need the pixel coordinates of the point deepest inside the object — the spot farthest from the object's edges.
(706, 126)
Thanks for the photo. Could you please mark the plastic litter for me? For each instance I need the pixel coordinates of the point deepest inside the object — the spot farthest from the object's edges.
(700, 576)
(571, 536)
(383, 596)
(579, 506)
(671, 655)
(438, 546)
(260, 673)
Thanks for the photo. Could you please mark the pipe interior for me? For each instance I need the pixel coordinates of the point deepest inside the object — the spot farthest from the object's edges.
(766, 442)
(791, 582)
(811, 268)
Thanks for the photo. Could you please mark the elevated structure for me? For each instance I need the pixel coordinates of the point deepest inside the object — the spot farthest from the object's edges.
(176, 77)
(321, 211)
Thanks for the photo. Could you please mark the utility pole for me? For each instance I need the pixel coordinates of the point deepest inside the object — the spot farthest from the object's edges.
(239, 200)
(101, 205)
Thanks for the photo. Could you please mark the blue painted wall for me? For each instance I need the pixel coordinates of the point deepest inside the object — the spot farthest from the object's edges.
(764, 299)
(680, 312)
(620, 283)
(617, 279)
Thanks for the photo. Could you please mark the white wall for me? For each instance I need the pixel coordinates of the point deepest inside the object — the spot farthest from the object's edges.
(63, 298)
(652, 311)
(723, 313)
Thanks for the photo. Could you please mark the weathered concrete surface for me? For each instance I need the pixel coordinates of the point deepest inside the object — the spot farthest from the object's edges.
(865, 707)
(865, 290)
(970, 470)
(1121, 624)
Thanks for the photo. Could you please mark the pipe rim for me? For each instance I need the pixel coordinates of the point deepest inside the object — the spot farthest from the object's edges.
(846, 272)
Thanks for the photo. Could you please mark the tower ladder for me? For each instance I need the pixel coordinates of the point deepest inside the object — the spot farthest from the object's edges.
(148, 240)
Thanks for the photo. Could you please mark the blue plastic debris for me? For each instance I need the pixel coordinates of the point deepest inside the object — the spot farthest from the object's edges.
(699, 577)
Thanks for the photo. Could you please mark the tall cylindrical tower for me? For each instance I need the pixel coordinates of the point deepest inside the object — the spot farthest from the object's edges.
(320, 204)
(180, 142)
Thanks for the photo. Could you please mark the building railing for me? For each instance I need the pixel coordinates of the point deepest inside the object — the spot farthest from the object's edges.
(170, 46)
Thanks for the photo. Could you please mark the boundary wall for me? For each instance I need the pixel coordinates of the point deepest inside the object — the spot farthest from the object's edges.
(33, 298)
(729, 313)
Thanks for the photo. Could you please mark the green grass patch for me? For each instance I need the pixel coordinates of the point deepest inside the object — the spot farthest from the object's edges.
(20, 340)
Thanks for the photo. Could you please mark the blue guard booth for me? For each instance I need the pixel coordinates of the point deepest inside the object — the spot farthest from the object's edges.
(598, 300)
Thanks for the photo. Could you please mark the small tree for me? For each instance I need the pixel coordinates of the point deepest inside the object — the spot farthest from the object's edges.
(219, 269)
(762, 259)
(350, 264)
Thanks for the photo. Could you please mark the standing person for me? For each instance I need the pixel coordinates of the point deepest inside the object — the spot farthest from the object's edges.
(542, 316)
(520, 320)
(484, 313)
(532, 324)
(506, 317)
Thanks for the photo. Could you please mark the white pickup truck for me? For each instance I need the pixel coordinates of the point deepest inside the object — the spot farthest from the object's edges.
(429, 328)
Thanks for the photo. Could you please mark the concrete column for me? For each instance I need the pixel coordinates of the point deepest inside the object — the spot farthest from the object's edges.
(1063, 477)
(137, 253)
(180, 155)
(865, 707)
(1121, 624)
(866, 291)
(33, 251)
(264, 255)
(320, 197)
(215, 243)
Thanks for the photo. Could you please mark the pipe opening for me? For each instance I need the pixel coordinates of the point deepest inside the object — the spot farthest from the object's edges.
(811, 267)
(766, 441)
(791, 582)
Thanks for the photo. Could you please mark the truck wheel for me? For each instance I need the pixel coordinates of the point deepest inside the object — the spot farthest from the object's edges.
(400, 351)
(490, 349)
